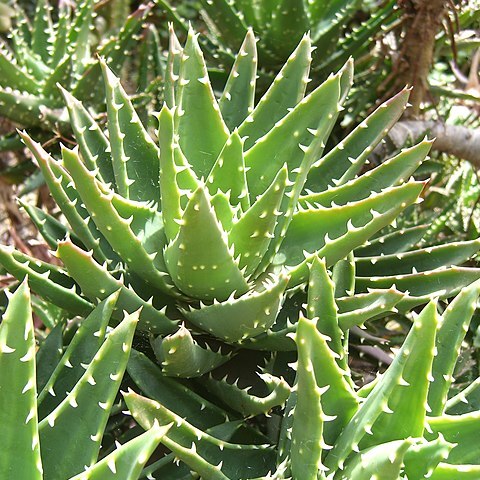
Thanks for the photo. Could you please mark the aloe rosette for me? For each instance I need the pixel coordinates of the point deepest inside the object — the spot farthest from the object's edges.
(45, 52)
(214, 224)
(219, 230)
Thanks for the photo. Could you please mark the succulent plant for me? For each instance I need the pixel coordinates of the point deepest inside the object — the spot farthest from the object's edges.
(213, 229)
(47, 52)
(54, 429)
(335, 32)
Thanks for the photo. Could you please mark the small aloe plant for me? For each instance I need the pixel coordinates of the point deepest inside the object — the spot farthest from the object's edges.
(54, 430)
(281, 25)
(47, 52)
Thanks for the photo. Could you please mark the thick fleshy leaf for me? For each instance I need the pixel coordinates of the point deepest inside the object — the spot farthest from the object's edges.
(251, 235)
(246, 403)
(98, 283)
(49, 281)
(228, 173)
(199, 260)
(237, 319)
(391, 172)
(397, 241)
(81, 350)
(237, 101)
(128, 460)
(198, 120)
(74, 430)
(453, 328)
(181, 356)
(351, 153)
(398, 398)
(134, 154)
(20, 452)
(384, 461)
(210, 457)
(460, 430)
(419, 260)
(115, 228)
(286, 91)
(172, 394)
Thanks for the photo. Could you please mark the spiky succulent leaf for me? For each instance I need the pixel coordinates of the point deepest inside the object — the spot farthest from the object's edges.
(209, 456)
(18, 390)
(81, 350)
(181, 356)
(83, 414)
(128, 460)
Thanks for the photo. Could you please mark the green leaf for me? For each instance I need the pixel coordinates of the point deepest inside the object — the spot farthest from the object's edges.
(93, 143)
(172, 394)
(74, 430)
(51, 229)
(48, 355)
(128, 460)
(419, 260)
(62, 190)
(292, 138)
(228, 173)
(181, 356)
(443, 283)
(384, 461)
(81, 350)
(115, 228)
(134, 154)
(462, 431)
(396, 242)
(47, 280)
(242, 401)
(422, 459)
(453, 328)
(445, 471)
(237, 319)
(42, 30)
(199, 259)
(406, 408)
(210, 457)
(18, 399)
(391, 172)
(237, 101)
(251, 235)
(198, 120)
(322, 308)
(286, 91)
(395, 408)
(14, 76)
(174, 57)
(98, 283)
(348, 156)
(177, 180)
(334, 232)
(339, 402)
(307, 435)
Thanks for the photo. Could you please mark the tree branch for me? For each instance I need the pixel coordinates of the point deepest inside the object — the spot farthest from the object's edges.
(456, 140)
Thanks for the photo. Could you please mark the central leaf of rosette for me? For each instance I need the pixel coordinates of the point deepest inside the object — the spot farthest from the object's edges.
(216, 239)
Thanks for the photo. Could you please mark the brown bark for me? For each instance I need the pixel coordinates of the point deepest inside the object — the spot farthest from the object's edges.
(456, 140)
(423, 22)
